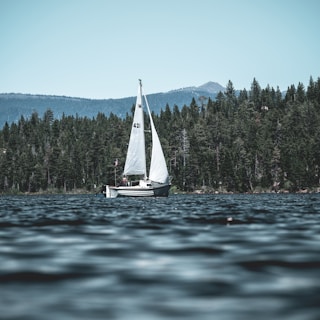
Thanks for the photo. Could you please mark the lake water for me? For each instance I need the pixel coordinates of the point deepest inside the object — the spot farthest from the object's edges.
(183, 257)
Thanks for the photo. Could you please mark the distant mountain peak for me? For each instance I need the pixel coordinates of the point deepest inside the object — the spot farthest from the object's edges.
(209, 87)
(212, 87)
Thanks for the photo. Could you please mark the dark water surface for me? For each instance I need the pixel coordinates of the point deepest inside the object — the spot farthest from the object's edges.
(184, 257)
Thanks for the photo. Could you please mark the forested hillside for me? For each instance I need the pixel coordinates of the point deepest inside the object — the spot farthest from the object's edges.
(257, 140)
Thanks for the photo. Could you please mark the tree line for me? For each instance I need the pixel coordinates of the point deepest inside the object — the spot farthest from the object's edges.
(246, 141)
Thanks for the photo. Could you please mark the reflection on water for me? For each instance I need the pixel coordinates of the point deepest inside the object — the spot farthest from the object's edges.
(182, 257)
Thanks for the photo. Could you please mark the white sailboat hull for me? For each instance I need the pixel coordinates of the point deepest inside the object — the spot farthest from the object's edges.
(143, 189)
(138, 191)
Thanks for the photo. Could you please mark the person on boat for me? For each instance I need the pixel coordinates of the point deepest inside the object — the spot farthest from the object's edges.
(124, 181)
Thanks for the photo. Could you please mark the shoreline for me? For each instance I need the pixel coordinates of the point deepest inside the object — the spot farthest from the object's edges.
(173, 191)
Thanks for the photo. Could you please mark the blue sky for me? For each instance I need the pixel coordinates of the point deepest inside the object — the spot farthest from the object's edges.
(99, 48)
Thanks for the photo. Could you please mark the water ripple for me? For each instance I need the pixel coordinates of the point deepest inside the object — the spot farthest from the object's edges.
(181, 257)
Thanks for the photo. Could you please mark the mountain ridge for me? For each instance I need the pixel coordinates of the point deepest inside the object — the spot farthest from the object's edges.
(15, 105)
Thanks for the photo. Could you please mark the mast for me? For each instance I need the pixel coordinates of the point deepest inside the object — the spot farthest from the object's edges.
(143, 135)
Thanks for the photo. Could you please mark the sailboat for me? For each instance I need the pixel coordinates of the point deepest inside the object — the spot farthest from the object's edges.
(157, 183)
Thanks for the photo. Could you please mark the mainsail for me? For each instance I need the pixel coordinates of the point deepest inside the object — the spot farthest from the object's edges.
(136, 155)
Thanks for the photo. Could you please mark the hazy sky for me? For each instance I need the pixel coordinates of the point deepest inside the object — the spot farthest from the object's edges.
(99, 48)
